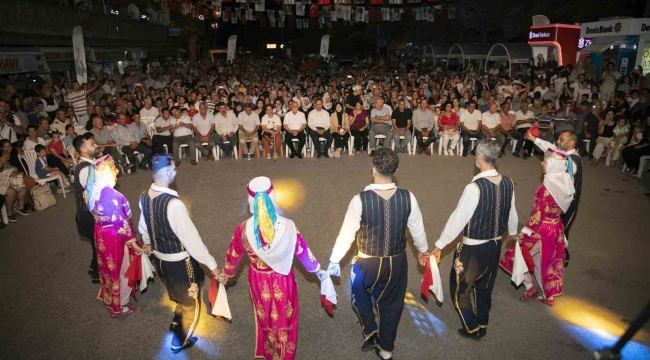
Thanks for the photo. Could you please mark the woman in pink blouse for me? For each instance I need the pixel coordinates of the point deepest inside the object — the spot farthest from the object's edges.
(448, 122)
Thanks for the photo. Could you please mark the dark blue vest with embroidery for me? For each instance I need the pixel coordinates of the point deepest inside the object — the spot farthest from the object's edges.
(160, 232)
(490, 219)
(383, 223)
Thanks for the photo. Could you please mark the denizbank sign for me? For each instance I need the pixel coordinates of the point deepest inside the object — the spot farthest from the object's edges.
(616, 27)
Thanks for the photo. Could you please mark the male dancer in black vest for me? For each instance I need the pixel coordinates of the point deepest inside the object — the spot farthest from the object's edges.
(485, 211)
(567, 143)
(377, 219)
(87, 150)
(168, 232)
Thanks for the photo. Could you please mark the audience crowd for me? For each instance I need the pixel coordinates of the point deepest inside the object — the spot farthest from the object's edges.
(254, 107)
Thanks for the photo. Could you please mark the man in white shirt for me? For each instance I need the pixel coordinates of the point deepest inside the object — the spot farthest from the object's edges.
(471, 126)
(319, 127)
(381, 124)
(542, 89)
(165, 127)
(225, 126)
(294, 125)
(378, 218)
(182, 134)
(168, 232)
(148, 113)
(491, 124)
(485, 211)
(524, 120)
(249, 125)
(203, 131)
(424, 124)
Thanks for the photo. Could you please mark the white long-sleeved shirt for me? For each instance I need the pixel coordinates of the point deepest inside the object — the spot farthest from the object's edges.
(465, 210)
(183, 228)
(352, 224)
(318, 119)
(225, 125)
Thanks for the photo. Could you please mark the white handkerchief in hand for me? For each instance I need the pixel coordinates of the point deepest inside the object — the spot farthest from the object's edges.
(221, 307)
(147, 271)
(436, 287)
(519, 267)
(327, 289)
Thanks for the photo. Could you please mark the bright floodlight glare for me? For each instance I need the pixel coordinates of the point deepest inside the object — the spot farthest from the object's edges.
(281, 46)
(289, 194)
(201, 17)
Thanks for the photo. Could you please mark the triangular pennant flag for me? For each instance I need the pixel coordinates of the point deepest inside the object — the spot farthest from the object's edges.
(219, 299)
(385, 14)
(300, 9)
(431, 280)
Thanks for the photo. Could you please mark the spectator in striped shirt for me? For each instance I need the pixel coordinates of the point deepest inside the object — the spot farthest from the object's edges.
(545, 123)
(77, 99)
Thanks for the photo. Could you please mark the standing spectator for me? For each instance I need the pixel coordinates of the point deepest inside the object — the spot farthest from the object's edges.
(524, 120)
(340, 128)
(608, 81)
(358, 125)
(225, 126)
(17, 109)
(183, 135)
(249, 125)
(424, 125)
(491, 125)
(319, 125)
(203, 123)
(77, 99)
(381, 124)
(401, 120)
(50, 105)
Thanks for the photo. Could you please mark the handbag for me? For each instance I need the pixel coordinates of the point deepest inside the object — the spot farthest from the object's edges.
(42, 197)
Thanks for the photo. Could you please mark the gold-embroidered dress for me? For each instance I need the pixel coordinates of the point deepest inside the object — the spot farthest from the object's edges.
(274, 297)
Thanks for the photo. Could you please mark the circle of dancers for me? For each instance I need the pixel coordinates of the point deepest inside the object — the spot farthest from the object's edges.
(377, 219)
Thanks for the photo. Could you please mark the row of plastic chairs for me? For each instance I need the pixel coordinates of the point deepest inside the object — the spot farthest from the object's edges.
(29, 158)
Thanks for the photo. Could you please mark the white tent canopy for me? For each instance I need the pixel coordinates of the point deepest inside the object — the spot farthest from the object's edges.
(513, 53)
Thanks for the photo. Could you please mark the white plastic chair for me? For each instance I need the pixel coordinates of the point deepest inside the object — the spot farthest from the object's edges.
(214, 152)
(643, 163)
(151, 129)
(350, 144)
(377, 138)
(287, 152)
(459, 146)
(587, 143)
(219, 153)
(320, 140)
(414, 144)
(408, 145)
(29, 158)
(73, 153)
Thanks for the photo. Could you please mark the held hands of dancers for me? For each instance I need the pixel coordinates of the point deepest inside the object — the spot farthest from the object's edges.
(334, 269)
(146, 248)
(134, 244)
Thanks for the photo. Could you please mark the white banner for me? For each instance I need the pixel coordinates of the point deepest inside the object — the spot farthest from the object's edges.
(325, 46)
(79, 54)
(232, 46)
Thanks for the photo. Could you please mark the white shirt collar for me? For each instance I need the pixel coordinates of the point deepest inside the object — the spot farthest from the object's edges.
(86, 159)
(487, 173)
(380, 187)
(163, 190)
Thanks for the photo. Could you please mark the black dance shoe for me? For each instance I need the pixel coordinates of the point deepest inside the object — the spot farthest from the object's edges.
(370, 343)
(474, 336)
(189, 344)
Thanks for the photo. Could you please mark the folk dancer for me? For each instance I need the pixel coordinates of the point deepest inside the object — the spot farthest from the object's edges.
(271, 242)
(168, 232)
(377, 219)
(543, 235)
(567, 143)
(485, 211)
(114, 236)
(87, 150)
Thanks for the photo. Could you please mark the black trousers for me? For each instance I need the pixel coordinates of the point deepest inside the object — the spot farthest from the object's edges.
(592, 144)
(341, 141)
(526, 144)
(143, 149)
(157, 142)
(317, 145)
(466, 142)
(301, 141)
(55, 162)
(474, 271)
(360, 139)
(380, 283)
(178, 277)
(424, 144)
(86, 229)
(569, 216)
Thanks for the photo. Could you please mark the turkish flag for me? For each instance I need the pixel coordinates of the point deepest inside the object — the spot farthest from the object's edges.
(313, 11)
(134, 272)
(431, 280)
(218, 299)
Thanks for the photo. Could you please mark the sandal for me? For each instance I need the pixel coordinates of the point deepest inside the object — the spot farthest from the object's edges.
(549, 302)
(529, 293)
(131, 310)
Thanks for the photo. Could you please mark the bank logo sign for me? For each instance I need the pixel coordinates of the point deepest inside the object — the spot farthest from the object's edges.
(614, 29)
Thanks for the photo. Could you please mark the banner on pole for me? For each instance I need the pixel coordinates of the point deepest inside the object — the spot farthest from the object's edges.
(79, 54)
(325, 46)
(232, 46)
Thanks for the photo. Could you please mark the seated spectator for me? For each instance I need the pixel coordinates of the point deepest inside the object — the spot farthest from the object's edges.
(225, 126)
(105, 143)
(59, 122)
(129, 141)
(249, 125)
(203, 122)
(43, 128)
(294, 127)
(271, 132)
(139, 127)
(621, 134)
(165, 127)
(424, 125)
(13, 190)
(507, 123)
(69, 135)
(545, 123)
(381, 124)
(57, 156)
(358, 125)
(605, 136)
(448, 129)
(9, 129)
(32, 140)
(565, 119)
(637, 148)
(524, 120)
(319, 127)
(183, 135)
(43, 170)
(401, 120)
(470, 123)
(340, 128)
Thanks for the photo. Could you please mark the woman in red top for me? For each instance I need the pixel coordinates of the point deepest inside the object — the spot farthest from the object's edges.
(358, 125)
(448, 122)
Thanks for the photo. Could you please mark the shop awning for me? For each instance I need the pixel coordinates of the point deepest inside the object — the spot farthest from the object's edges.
(600, 44)
(514, 53)
(468, 51)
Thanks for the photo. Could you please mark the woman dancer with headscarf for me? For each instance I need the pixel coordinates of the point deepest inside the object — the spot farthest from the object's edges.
(543, 235)
(115, 240)
(271, 241)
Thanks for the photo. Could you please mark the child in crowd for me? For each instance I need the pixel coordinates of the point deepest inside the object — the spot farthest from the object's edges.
(58, 155)
(40, 112)
(192, 110)
(69, 135)
(44, 171)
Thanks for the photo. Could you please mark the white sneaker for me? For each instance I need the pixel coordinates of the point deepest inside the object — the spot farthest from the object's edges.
(446, 152)
(268, 156)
